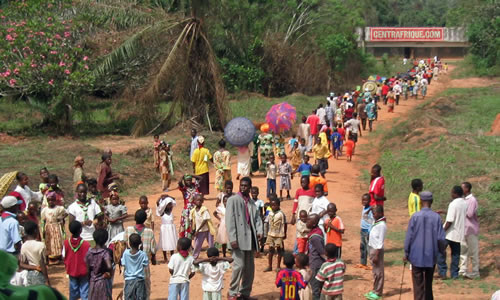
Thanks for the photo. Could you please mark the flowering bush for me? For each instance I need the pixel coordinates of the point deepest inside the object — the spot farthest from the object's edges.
(42, 55)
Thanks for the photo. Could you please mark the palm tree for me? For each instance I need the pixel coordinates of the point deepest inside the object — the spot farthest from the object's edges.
(189, 71)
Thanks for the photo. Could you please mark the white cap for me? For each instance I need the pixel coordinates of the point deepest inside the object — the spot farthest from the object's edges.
(332, 94)
(10, 201)
(201, 139)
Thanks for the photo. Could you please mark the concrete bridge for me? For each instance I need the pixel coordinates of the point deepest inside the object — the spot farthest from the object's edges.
(413, 42)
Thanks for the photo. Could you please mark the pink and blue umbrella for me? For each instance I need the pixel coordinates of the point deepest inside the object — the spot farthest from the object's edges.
(281, 117)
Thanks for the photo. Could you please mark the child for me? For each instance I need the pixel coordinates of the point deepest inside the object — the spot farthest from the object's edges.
(95, 194)
(180, 267)
(254, 193)
(376, 245)
(267, 210)
(166, 166)
(143, 203)
(32, 213)
(331, 274)
(52, 218)
(303, 198)
(293, 141)
(53, 186)
(285, 172)
(98, 262)
(316, 252)
(168, 233)
(33, 257)
(349, 148)
(290, 280)
(75, 250)
(220, 213)
(115, 214)
(271, 176)
(302, 232)
(296, 156)
(44, 180)
(336, 139)
(135, 261)
(212, 269)
(202, 225)
(148, 241)
(334, 228)
(305, 167)
(321, 154)
(366, 224)
(316, 179)
(302, 147)
(188, 187)
(228, 191)
(156, 151)
(277, 232)
(414, 199)
(302, 263)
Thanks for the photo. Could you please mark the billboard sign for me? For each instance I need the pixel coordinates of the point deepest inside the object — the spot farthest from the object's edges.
(406, 34)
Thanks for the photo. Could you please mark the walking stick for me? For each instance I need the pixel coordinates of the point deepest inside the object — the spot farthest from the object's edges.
(402, 277)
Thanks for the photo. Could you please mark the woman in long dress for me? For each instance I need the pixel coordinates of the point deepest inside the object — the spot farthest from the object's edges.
(222, 164)
(266, 149)
(189, 188)
(106, 176)
(168, 232)
(52, 218)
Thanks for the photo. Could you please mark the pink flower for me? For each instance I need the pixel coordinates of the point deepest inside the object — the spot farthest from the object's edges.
(57, 36)
(67, 34)
(51, 82)
(49, 19)
(16, 71)
(67, 72)
(85, 58)
(33, 65)
(61, 64)
(12, 82)
(9, 37)
(86, 67)
(53, 52)
(10, 29)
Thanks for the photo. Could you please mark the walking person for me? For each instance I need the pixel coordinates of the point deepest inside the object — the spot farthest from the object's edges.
(469, 250)
(454, 228)
(200, 158)
(243, 240)
(304, 132)
(425, 238)
(376, 246)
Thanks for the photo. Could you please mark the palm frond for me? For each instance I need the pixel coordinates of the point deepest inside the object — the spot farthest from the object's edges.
(134, 45)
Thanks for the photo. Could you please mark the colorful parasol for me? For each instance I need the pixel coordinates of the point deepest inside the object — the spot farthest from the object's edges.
(239, 132)
(5, 182)
(281, 117)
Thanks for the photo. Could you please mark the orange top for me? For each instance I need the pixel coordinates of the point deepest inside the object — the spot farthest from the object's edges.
(349, 145)
(332, 236)
(314, 180)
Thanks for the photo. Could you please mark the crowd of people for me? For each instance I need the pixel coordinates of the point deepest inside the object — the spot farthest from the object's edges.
(34, 224)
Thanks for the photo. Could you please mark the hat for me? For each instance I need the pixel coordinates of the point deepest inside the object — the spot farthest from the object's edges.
(425, 196)
(10, 201)
(201, 139)
(332, 94)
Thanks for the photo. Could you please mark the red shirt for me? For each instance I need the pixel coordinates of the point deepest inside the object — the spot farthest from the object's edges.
(74, 258)
(341, 131)
(313, 122)
(385, 89)
(377, 188)
(301, 192)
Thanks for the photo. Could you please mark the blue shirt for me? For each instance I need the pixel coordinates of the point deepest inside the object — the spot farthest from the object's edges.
(366, 219)
(292, 141)
(305, 169)
(9, 232)
(134, 264)
(421, 244)
(336, 139)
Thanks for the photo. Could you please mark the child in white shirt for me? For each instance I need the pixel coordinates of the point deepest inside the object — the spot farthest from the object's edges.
(181, 271)
(213, 269)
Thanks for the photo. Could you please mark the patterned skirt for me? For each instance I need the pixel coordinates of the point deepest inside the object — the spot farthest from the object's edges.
(53, 240)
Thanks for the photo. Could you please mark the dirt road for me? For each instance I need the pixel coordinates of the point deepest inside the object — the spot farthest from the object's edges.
(345, 190)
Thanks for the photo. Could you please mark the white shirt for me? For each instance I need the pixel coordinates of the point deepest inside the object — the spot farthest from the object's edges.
(28, 195)
(456, 215)
(181, 267)
(377, 235)
(321, 113)
(194, 146)
(213, 276)
(318, 206)
(93, 210)
(397, 89)
(353, 125)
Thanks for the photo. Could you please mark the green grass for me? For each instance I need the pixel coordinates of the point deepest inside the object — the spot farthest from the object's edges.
(255, 108)
(465, 153)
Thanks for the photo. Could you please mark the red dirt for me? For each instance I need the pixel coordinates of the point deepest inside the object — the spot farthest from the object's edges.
(345, 190)
(8, 139)
(495, 127)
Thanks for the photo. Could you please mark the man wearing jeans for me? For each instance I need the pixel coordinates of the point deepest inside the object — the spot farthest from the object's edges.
(425, 238)
(454, 228)
(470, 248)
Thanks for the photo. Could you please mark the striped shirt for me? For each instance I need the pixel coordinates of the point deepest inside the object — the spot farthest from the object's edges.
(332, 274)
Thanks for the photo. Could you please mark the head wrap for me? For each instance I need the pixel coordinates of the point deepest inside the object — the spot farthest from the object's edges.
(51, 194)
(77, 160)
(187, 176)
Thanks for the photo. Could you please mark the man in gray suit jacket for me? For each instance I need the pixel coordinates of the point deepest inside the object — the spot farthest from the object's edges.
(244, 229)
